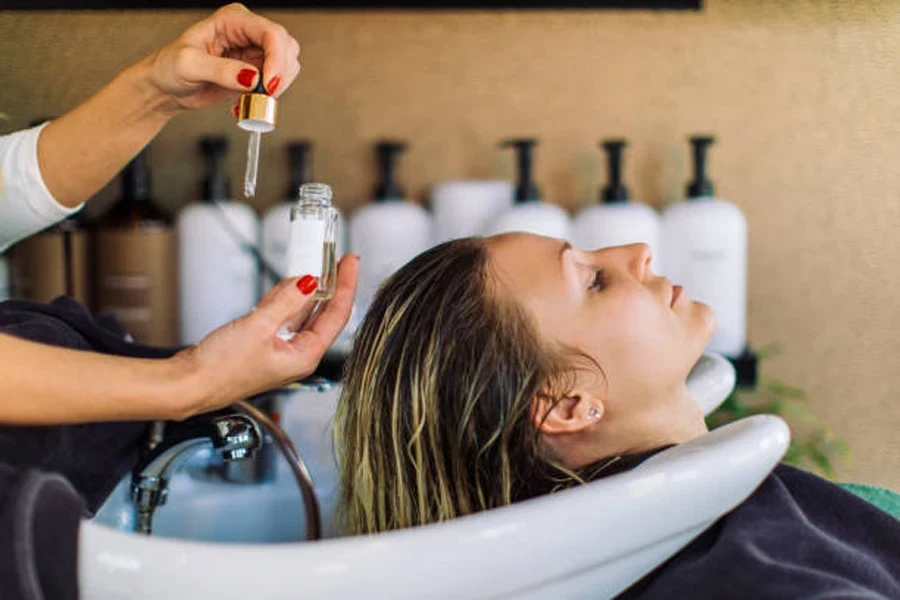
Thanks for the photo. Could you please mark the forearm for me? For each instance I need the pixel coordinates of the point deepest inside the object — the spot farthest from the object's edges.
(81, 151)
(41, 385)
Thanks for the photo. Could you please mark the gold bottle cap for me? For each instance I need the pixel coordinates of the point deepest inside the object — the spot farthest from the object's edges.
(256, 112)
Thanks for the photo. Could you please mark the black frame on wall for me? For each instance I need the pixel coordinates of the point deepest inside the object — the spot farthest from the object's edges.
(358, 4)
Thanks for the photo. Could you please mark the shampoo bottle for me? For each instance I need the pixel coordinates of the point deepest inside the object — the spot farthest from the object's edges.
(217, 271)
(616, 220)
(135, 270)
(465, 208)
(530, 214)
(54, 262)
(704, 245)
(389, 232)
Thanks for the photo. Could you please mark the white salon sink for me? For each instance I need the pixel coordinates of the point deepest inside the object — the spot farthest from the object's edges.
(218, 540)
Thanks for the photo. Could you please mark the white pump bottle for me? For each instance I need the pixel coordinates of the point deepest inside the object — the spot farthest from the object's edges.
(217, 238)
(389, 232)
(464, 208)
(704, 241)
(617, 221)
(530, 214)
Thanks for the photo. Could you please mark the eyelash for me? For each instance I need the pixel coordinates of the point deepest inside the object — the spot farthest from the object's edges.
(599, 281)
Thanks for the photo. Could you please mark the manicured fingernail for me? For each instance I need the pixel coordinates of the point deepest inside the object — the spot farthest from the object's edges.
(234, 109)
(273, 84)
(307, 285)
(246, 76)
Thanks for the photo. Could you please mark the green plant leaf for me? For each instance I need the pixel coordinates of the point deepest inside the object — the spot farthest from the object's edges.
(768, 351)
(818, 451)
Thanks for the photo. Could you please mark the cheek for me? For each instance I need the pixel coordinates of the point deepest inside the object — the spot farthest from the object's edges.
(631, 338)
(634, 321)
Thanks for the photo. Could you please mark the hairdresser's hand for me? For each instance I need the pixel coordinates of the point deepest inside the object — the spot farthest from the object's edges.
(245, 357)
(221, 56)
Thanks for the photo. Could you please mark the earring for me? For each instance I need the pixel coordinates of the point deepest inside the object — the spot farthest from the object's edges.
(593, 413)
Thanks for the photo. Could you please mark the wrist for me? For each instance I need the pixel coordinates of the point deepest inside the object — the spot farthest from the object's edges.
(191, 390)
(154, 102)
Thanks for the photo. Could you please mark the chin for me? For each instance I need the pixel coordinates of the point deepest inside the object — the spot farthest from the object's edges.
(709, 322)
(703, 325)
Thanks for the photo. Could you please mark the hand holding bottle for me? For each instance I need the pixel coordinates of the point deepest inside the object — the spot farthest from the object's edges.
(223, 55)
(246, 356)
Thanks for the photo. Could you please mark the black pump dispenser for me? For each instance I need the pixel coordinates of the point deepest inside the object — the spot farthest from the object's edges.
(614, 191)
(526, 189)
(299, 157)
(700, 186)
(215, 184)
(387, 153)
(136, 179)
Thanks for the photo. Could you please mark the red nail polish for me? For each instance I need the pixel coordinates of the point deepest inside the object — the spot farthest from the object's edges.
(273, 84)
(307, 285)
(234, 109)
(245, 77)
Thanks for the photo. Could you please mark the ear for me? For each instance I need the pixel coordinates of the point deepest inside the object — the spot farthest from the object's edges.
(570, 414)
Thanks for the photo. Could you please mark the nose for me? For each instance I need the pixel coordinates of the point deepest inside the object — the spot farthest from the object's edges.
(635, 258)
(639, 256)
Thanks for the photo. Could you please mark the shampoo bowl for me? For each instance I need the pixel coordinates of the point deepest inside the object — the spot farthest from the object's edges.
(613, 532)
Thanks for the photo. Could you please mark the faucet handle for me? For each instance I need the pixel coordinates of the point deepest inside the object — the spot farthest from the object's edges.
(238, 436)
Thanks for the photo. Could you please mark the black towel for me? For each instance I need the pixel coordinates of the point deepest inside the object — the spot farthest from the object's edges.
(40, 510)
(93, 456)
(797, 536)
(39, 518)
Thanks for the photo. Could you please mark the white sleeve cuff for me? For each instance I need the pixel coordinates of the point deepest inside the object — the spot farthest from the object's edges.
(26, 205)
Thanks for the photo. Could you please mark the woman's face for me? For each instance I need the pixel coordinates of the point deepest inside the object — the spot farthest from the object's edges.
(643, 332)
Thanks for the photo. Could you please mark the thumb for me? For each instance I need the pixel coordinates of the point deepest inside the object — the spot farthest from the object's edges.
(195, 65)
(290, 301)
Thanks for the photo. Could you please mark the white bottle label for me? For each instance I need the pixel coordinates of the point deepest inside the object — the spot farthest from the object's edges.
(306, 248)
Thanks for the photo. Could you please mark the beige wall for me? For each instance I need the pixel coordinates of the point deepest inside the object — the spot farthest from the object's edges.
(804, 97)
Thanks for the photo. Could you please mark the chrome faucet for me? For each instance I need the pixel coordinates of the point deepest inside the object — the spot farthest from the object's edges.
(233, 437)
(258, 468)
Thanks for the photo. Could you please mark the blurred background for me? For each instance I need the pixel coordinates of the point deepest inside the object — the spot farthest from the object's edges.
(803, 98)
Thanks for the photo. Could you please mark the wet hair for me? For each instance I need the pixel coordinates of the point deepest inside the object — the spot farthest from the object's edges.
(435, 417)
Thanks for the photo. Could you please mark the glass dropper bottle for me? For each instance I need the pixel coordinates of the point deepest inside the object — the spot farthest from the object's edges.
(256, 114)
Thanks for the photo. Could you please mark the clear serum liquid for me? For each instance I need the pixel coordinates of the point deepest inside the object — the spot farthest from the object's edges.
(312, 244)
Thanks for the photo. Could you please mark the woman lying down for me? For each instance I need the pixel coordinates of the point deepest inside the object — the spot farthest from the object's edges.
(492, 370)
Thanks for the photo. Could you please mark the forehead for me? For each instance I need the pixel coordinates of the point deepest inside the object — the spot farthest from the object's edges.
(519, 259)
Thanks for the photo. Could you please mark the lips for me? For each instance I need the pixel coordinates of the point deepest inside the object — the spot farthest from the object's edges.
(676, 294)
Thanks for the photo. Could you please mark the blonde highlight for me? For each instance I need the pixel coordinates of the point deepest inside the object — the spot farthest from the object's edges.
(434, 420)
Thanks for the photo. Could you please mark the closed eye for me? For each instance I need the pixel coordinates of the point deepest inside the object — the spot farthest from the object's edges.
(598, 283)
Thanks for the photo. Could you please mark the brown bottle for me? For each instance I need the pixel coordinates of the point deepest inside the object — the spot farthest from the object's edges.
(52, 263)
(135, 273)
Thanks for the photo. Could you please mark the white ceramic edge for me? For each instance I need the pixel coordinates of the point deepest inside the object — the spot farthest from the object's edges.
(711, 381)
(517, 547)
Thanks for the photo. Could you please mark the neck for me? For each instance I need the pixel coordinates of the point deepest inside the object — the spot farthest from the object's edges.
(675, 419)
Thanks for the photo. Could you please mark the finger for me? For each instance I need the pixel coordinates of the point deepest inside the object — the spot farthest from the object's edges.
(194, 65)
(290, 302)
(244, 28)
(291, 71)
(276, 289)
(322, 331)
(291, 68)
